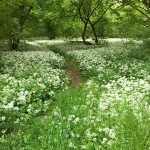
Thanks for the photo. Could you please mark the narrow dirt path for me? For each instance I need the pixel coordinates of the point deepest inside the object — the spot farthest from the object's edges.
(76, 78)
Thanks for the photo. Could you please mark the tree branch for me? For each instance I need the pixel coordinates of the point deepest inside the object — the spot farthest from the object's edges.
(103, 14)
(96, 8)
(136, 8)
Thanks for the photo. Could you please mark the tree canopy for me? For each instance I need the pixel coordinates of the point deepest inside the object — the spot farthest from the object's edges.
(20, 19)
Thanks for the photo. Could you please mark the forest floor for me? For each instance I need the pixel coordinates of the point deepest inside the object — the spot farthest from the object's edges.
(104, 105)
(71, 70)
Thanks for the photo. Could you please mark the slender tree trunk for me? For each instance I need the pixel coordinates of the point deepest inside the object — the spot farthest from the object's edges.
(50, 28)
(13, 43)
(94, 32)
(84, 32)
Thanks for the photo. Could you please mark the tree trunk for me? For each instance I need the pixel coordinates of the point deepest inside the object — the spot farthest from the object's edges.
(23, 12)
(84, 32)
(50, 28)
(13, 43)
(94, 32)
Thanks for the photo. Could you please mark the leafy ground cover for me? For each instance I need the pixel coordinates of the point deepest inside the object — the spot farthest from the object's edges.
(109, 63)
(109, 112)
(28, 82)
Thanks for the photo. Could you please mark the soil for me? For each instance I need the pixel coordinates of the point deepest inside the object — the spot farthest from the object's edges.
(76, 78)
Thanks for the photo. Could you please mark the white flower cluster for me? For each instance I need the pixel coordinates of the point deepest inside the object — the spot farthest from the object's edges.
(132, 92)
(28, 83)
(29, 62)
(96, 117)
(84, 125)
(110, 63)
(96, 59)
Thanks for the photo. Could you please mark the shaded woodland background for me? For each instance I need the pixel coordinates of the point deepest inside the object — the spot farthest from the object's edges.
(68, 19)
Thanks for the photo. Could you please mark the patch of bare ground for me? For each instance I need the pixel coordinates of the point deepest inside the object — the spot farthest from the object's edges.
(76, 78)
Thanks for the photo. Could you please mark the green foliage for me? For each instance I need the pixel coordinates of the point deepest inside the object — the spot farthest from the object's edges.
(109, 111)
(86, 118)
(14, 16)
(27, 89)
(142, 53)
(61, 19)
(146, 43)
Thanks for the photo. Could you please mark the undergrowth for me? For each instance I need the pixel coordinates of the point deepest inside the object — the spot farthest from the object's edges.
(109, 112)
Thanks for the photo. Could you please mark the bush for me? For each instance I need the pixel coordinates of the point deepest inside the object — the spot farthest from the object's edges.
(146, 43)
